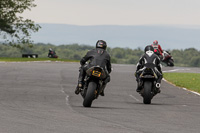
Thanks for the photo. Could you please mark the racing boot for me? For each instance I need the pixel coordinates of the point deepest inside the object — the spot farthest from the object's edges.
(78, 88)
(102, 92)
(139, 88)
(139, 85)
(80, 80)
(104, 85)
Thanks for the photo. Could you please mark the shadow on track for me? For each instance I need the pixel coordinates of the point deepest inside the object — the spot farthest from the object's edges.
(141, 103)
(95, 107)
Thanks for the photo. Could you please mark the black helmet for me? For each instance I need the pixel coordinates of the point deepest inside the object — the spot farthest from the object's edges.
(101, 44)
(149, 47)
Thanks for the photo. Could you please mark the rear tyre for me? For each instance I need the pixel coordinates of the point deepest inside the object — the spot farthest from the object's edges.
(147, 96)
(90, 94)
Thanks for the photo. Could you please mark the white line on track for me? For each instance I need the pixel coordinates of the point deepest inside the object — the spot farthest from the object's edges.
(175, 85)
(67, 97)
(192, 91)
(182, 88)
(134, 98)
(175, 70)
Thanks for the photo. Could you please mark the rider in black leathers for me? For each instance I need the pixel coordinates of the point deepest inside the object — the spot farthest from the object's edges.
(98, 56)
(149, 57)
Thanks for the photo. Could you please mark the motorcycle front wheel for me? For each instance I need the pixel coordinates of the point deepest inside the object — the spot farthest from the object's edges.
(170, 62)
(90, 94)
(147, 95)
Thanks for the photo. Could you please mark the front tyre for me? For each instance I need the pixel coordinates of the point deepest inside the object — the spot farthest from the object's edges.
(170, 62)
(147, 95)
(90, 94)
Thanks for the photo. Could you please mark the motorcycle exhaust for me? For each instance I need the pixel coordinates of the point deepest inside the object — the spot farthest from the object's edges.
(158, 85)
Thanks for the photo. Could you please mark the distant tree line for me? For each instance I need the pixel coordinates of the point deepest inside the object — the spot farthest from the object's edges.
(186, 57)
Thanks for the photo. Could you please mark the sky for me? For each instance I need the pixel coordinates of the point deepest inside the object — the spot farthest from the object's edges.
(155, 13)
(116, 12)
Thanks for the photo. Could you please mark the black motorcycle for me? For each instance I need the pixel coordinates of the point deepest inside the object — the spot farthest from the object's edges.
(148, 84)
(93, 85)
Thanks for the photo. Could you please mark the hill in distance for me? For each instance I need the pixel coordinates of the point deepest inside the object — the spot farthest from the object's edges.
(170, 37)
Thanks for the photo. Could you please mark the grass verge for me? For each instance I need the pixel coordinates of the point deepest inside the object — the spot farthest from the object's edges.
(184, 80)
(5, 59)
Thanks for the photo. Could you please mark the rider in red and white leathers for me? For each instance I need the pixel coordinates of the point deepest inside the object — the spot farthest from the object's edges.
(157, 49)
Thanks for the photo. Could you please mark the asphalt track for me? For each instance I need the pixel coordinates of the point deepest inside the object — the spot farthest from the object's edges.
(39, 98)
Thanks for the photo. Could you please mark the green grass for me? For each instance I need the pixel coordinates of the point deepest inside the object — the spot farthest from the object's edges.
(190, 81)
(6, 59)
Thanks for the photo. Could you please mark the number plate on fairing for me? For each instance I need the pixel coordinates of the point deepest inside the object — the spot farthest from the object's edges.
(96, 73)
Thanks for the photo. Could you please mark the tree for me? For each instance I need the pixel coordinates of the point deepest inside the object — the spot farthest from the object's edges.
(118, 53)
(132, 60)
(14, 29)
(195, 61)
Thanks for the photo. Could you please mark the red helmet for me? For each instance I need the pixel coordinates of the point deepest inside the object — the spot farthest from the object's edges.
(155, 42)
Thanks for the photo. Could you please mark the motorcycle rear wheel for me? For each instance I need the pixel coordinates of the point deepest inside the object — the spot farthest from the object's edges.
(90, 94)
(147, 95)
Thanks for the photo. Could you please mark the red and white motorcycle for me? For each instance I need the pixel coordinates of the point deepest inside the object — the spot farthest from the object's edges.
(166, 57)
